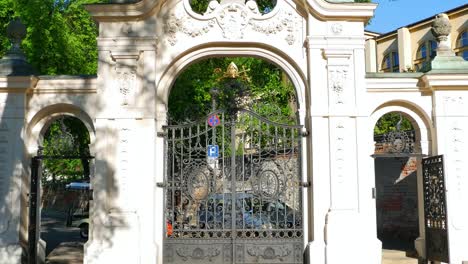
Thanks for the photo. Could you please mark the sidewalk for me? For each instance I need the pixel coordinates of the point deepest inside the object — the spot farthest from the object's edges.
(66, 253)
(396, 257)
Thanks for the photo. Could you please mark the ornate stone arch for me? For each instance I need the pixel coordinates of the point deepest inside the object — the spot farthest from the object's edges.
(417, 116)
(41, 121)
(192, 56)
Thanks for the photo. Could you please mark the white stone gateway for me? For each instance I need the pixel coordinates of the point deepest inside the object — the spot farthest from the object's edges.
(143, 46)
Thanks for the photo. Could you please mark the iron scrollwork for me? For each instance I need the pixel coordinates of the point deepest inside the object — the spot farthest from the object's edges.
(269, 253)
(198, 253)
(435, 209)
(249, 189)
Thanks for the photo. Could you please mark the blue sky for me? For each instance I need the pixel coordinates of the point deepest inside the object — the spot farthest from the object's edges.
(393, 14)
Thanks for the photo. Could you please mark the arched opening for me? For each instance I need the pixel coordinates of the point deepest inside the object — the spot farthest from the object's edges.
(60, 188)
(397, 160)
(233, 177)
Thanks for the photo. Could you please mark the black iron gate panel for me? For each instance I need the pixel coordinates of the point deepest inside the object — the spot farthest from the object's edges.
(33, 210)
(233, 191)
(435, 209)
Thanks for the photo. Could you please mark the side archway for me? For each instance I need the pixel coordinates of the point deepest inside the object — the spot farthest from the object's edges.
(404, 197)
(41, 121)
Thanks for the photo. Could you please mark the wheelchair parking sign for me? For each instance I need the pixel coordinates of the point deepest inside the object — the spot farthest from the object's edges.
(213, 151)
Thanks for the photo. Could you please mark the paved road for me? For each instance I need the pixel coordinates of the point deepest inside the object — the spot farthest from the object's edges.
(54, 231)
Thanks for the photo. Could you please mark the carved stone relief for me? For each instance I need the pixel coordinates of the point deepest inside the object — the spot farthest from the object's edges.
(126, 78)
(337, 83)
(124, 158)
(337, 28)
(234, 20)
(340, 153)
(458, 149)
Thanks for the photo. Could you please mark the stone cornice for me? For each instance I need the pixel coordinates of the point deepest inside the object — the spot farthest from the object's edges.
(69, 85)
(129, 44)
(393, 84)
(18, 84)
(145, 8)
(445, 81)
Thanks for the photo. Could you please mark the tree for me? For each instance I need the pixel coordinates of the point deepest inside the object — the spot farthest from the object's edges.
(66, 136)
(388, 122)
(61, 36)
(270, 92)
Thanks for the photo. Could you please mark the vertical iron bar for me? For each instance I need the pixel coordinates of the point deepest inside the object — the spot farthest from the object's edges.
(284, 142)
(297, 178)
(223, 168)
(233, 177)
(32, 230)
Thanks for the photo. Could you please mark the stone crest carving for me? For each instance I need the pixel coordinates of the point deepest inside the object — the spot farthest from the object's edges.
(337, 82)
(126, 78)
(233, 18)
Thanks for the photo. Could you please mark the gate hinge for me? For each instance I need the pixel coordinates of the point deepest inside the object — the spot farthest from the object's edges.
(161, 134)
(304, 184)
(161, 184)
(305, 133)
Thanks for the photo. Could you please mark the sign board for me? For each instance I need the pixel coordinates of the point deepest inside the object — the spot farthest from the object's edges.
(213, 151)
(213, 120)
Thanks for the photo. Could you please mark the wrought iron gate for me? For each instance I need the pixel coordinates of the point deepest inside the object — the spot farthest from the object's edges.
(33, 234)
(435, 209)
(233, 191)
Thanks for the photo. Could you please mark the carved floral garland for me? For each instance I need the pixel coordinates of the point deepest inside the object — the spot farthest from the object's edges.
(232, 19)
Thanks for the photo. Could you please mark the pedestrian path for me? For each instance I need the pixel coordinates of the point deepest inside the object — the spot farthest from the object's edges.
(396, 257)
(66, 253)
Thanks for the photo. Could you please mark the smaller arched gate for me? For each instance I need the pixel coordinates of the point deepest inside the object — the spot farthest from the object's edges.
(233, 191)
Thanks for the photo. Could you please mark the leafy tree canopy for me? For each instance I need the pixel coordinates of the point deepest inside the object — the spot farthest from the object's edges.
(66, 136)
(270, 93)
(388, 122)
(61, 36)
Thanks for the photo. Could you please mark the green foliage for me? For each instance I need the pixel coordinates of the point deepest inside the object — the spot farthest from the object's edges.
(388, 122)
(56, 143)
(61, 36)
(270, 92)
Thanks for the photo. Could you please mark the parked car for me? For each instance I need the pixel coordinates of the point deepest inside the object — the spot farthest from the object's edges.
(83, 224)
(78, 213)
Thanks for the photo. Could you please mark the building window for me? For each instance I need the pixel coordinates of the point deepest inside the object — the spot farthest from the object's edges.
(426, 52)
(462, 45)
(391, 62)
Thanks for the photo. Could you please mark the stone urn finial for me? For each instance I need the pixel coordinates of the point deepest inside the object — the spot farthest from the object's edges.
(441, 29)
(14, 61)
(16, 32)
